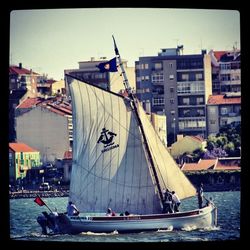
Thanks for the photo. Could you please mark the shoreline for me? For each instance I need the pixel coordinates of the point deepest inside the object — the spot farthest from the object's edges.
(42, 194)
(65, 193)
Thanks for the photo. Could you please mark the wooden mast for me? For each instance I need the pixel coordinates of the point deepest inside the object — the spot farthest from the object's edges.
(134, 107)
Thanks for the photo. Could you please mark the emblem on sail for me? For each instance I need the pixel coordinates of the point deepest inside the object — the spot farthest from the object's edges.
(107, 138)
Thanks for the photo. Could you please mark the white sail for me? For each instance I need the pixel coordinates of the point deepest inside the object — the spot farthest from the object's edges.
(115, 174)
(110, 162)
(169, 174)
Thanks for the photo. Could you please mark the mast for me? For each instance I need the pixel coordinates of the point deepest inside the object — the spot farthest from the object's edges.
(134, 107)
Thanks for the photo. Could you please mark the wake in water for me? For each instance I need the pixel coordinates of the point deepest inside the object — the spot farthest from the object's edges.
(210, 229)
(169, 229)
(97, 234)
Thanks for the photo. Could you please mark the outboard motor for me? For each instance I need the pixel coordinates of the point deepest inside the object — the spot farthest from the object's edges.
(42, 221)
(49, 221)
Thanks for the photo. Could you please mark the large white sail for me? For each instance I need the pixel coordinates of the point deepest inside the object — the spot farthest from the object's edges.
(110, 167)
(169, 174)
(110, 160)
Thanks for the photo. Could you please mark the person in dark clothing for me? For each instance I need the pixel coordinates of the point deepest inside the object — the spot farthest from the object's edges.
(200, 195)
(168, 202)
(127, 213)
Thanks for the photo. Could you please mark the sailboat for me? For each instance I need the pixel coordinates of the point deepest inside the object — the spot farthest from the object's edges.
(119, 162)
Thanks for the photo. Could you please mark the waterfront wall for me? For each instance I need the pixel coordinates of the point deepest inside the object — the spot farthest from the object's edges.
(216, 180)
(33, 194)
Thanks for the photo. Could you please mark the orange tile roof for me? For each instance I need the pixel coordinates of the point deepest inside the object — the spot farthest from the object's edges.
(203, 164)
(219, 54)
(225, 167)
(221, 99)
(29, 103)
(18, 71)
(197, 138)
(61, 108)
(21, 147)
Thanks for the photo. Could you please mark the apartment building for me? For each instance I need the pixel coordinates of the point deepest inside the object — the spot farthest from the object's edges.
(179, 86)
(223, 110)
(226, 71)
(90, 73)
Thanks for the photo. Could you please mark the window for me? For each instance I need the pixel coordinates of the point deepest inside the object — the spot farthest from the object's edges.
(212, 122)
(158, 101)
(146, 77)
(223, 111)
(172, 101)
(158, 65)
(186, 113)
(200, 112)
(146, 65)
(198, 76)
(183, 88)
(192, 124)
(201, 124)
(157, 77)
(212, 109)
(225, 66)
(171, 77)
(196, 87)
(141, 91)
(171, 89)
(225, 77)
(171, 65)
(184, 77)
(199, 100)
(185, 101)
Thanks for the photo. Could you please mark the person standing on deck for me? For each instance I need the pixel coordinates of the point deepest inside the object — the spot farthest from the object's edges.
(176, 201)
(200, 195)
(167, 204)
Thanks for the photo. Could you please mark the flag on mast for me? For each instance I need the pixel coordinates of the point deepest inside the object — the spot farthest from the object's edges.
(109, 66)
(39, 201)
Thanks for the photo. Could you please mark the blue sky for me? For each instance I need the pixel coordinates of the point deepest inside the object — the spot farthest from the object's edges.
(49, 41)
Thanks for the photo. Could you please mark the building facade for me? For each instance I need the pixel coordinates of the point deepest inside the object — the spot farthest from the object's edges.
(46, 126)
(226, 71)
(186, 144)
(179, 86)
(22, 84)
(21, 159)
(90, 73)
(223, 110)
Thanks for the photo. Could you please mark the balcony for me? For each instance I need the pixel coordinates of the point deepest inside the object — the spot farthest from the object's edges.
(188, 117)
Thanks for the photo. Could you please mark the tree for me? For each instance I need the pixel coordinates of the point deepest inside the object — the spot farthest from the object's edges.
(230, 148)
(211, 142)
(215, 153)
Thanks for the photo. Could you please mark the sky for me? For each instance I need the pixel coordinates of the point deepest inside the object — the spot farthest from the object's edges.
(51, 40)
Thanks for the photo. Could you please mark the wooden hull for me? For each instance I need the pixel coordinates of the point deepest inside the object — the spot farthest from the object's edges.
(195, 219)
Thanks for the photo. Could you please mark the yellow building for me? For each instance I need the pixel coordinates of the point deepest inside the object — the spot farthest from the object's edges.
(22, 158)
(187, 144)
(58, 87)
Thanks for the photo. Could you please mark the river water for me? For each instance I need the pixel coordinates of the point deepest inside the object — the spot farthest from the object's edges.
(23, 225)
